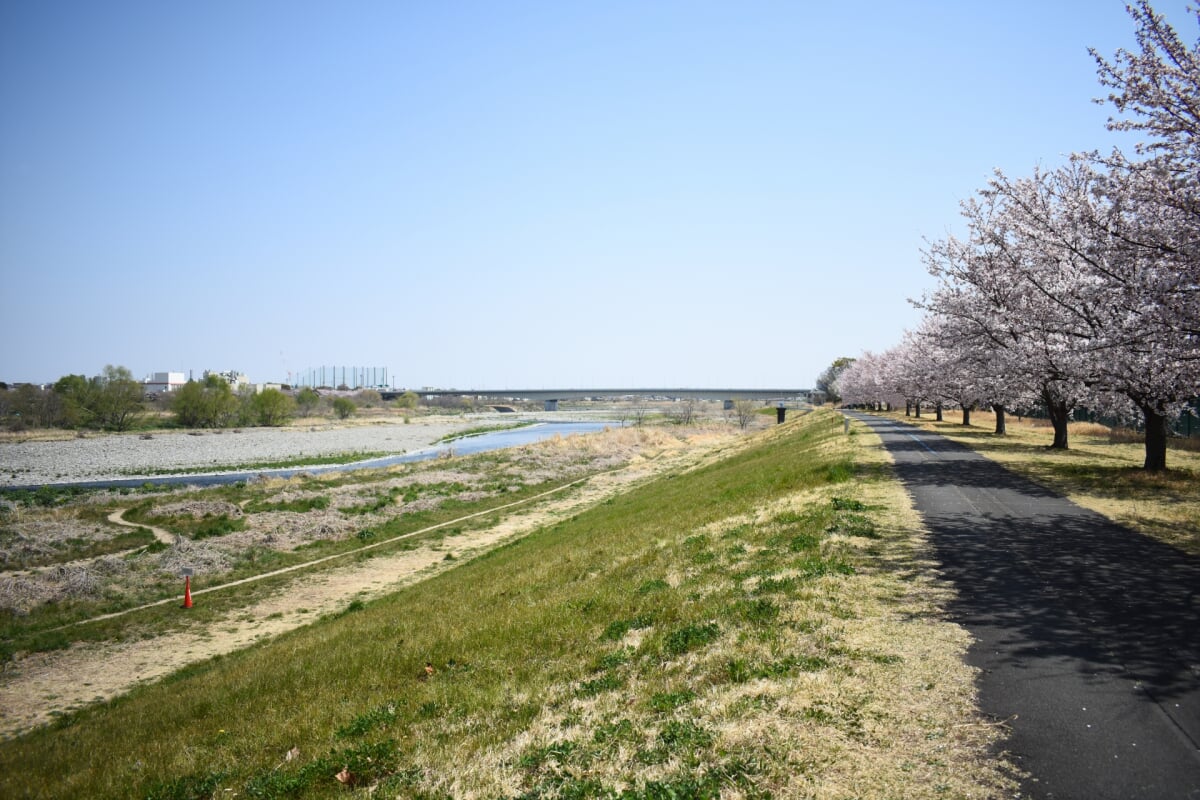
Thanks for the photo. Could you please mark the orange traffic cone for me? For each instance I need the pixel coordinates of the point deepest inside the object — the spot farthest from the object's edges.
(187, 592)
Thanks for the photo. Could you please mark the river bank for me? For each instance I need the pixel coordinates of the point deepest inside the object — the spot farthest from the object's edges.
(114, 456)
(57, 457)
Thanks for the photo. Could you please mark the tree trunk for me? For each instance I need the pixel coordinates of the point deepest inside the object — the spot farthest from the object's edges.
(907, 408)
(939, 411)
(966, 415)
(1001, 430)
(1156, 439)
(1059, 416)
(918, 409)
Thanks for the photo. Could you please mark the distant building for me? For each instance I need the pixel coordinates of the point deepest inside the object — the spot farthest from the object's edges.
(236, 380)
(163, 382)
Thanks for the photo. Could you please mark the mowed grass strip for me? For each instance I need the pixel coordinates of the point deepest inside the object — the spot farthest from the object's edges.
(763, 625)
(1100, 470)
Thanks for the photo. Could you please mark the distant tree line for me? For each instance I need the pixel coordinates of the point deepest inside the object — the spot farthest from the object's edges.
(115, 401)
(111, 400)
(211, 403)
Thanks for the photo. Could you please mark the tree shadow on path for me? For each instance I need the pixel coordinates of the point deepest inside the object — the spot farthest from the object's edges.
(1086, 632)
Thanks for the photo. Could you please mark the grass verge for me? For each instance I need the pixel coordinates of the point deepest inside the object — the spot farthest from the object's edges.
(331, 459)
(763, 625)
(482, 429)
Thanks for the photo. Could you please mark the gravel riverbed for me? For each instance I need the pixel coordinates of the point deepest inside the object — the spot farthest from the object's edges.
(113, 456)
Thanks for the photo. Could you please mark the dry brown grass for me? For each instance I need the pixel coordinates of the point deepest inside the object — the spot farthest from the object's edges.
(891, 711)
(871, 697)
(1129, 436)
(44, 536)
(1087, 429)
(38, 435)
(1100, 471)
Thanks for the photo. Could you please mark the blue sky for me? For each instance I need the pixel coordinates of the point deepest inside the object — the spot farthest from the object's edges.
(509, 194)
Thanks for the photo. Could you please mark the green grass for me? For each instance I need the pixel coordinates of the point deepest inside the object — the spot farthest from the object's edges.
(76, 549)
(482, 429)
(218, 525)
(42, 628)
(558, 666)
(301, 505)
(332, 459)
(205, 527)
(379, 500)
(43, 496)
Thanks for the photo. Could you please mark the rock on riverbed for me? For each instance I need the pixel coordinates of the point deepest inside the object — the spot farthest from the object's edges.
(114, 456)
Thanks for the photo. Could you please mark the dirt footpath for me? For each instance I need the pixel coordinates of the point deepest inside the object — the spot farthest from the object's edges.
(36, 688)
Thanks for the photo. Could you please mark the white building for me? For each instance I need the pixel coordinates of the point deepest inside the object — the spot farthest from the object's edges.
(236, 380)
(162, 382)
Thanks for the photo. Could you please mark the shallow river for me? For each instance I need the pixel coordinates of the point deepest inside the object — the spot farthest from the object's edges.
(497, 440)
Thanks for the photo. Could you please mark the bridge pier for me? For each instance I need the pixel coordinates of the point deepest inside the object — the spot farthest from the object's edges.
(552, 405)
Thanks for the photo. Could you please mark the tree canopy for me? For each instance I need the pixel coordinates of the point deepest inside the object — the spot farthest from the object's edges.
(111, 400)
(209, 403)
(1077, 285)
(272, 408)
(827, 381)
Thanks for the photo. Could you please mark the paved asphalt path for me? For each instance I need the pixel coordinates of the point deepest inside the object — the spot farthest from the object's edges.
(1087, 634)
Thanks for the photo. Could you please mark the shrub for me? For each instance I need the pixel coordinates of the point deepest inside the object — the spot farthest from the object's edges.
(205, 404)
(307, 399)
(368, 398)
(272, 408)
(343, 407)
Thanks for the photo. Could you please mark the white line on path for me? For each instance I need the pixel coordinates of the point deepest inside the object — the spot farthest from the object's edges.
(918, 441)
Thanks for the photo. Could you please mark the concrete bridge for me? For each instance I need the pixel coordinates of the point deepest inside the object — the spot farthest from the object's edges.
(552, 397)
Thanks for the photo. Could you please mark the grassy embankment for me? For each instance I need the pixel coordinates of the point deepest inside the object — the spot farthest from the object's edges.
(1101, 470)
(763, 625)
(54, 625)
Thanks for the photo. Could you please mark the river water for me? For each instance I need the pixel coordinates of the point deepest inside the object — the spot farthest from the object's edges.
(496, 440)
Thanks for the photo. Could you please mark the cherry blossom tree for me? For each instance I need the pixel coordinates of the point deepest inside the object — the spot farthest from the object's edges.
(1078, 284)
(1133, 295)
(1159, 86)
(908, 373)
(999, 292)
(868, 382)
(1067, 272)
